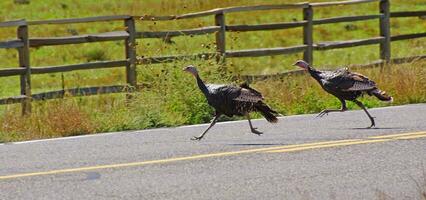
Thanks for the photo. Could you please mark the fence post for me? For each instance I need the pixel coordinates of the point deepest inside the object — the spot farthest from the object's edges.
(24, 61)
(220, 38)
(385, 46)
(308, 14)
(130, 44)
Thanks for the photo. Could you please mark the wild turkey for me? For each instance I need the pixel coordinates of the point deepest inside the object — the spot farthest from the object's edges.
(232, 100)
(345, 85)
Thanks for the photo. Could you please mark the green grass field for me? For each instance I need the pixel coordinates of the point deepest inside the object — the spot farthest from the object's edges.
(173, 98)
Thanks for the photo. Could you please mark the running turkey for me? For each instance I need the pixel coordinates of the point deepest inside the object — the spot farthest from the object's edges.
(346, 86)
(232, 100)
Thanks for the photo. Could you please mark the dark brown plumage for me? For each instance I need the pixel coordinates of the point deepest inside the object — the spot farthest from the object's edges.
(233, 100)
(346, 86)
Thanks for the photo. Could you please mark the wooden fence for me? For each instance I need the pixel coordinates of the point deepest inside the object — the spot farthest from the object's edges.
(24, 42)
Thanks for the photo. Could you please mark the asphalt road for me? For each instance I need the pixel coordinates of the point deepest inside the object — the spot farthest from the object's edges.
(301, 157)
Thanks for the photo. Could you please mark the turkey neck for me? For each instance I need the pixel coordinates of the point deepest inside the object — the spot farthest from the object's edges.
(315, 73)
(201, 85)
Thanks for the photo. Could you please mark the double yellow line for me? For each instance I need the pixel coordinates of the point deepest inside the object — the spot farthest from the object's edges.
(337, 143)
(277, 149)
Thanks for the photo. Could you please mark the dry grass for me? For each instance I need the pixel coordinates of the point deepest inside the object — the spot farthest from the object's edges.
(57, 119)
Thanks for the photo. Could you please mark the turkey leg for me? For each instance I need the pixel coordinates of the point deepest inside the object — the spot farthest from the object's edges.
(326, 111)
(213, 122)
(253, 129)
(365, 110)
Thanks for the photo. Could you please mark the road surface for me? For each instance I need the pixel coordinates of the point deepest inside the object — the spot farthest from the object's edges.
(301, 157)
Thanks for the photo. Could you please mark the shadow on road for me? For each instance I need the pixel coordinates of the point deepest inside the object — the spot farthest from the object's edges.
(377, 128)
(257, 144)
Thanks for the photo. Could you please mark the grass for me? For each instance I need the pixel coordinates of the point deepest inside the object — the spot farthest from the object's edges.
(173, 98)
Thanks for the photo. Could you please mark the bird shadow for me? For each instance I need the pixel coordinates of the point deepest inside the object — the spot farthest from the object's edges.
(376, 128)
(255, 144)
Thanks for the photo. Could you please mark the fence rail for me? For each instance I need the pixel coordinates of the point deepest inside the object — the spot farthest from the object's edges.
(11, 44)
(346, 19)
(80, 20)
(109, 36)
(23, 43)
(162, 34)
(348, 43)
(13, 23)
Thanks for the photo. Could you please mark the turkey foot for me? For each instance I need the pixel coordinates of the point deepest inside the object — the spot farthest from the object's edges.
(322, 113)
(373, 124)
(196, 138)
(326, 111)
(253, 130)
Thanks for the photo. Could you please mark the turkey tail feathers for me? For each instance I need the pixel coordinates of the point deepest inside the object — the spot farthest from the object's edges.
(381, 95)
(267, 112)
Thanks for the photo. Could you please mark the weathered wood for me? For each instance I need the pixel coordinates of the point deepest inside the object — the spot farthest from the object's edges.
(168, 59)
(385, 45)
(20, 22)
(220, 38)
(346, 19)
(79, 20)
(265, 51)
(13, 100)
(162, 34)
(199, 14)
(130, 45)
(308, 15)
(84, 91)
(24, 62)
(109, 36)
(377, 63)
(81, 91)
(407, 59)
(265, 7)
(407, 36)
(238, 9)
(349, 43)
(11, 44)
(12, 71)
(262, 77)
(341, 3)
(155, 18)
(83, 66)
(264, 27)
(408, 14)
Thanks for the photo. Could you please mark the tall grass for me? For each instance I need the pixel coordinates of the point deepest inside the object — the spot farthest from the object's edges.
(174, 99)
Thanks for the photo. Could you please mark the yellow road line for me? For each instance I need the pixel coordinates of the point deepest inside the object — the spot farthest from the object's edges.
(285, 148)
(397, 135)
(411, 137)
(162, 160)
(384, 138)
(329, 145)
